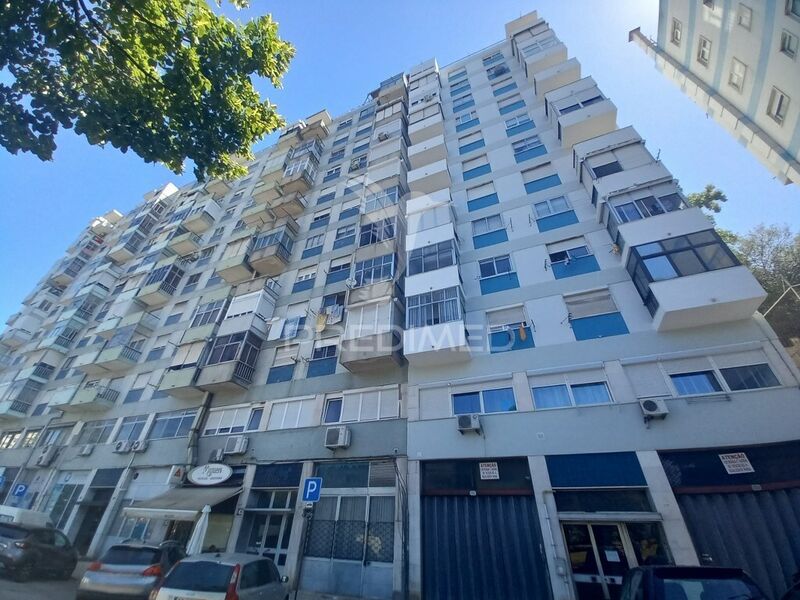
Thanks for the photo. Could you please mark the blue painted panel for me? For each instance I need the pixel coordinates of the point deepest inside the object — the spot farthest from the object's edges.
(576, 266)
(279, 374)
(471, 147)
(520, 128)
(504, 89)
(467, 125)
(319, 223)
(506, 341)
(309, 252)
(477, 172)
(538, 185)
(330, 177)
(347, 241)
(482, 202)
(321, 366)
(326, 198)
(337, 276)
(558, 220)
(609, 469)
(590, 328)
(350, 212)
(498, 283)
(464, 106)
(302, 286)
(531, 153)
(512, 107)
(490, 239)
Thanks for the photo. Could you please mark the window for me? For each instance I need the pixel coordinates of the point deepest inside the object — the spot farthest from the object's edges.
(315, 241)
(173, 424)
(467, 120)
(789, 43)
(226, 347)
(131, 428)
(30, 438)
(373, 270)
(459, 88)
(217, 233)
(470, 142)
(749, 377)
(432, 257)
(381, 199)
(357, 163)
(320, 219)
(737, 74)
(594, 315)
(463, 102)
(553, 206)
(333, 410)
(339, 269)
(455, 75)
(649, 206)
(379, 231)
(745, 16)
(709, 4)
(362, 132)
(233, 420)
(9, 439)
(432, 308)
(340, 140)
(305, 279)
(191, 283)
(488, 231)
(778, 105)
(155, 354)
(336, 155)
(481, 196)
(493, 58)
(510, 104)
(570, 258)
(793, 8)
(366, 113)
(527, 148)
(492, 267)
(518, 124)
(323, 358)
(501, 87)
(344, 124)
(344, 236)
(485, 401)
(96, 432)
(509, 330)
(606, 169)
(699, 382)
(562, 396)
(540, 178)
(475, 167)
(332, 173)
(677, 32)
(210, 312)
(497, 71)
(704, 51)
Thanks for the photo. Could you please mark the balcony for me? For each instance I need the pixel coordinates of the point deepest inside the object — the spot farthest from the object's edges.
(426, 128)
(185, 244)
(116, 359)
(125, 250)
(627, 180)
(372, 353)
(60, 398)
(14, 337)
(316, 126)
(233, 376)
(217, 188)
(258, 216)
(292, 204)
(426, 152)
(290, 137)
(92, 397)
(271, 260)
(586, 122)
(298, 178)
(556, 76)
(41, 373)
(236, 268)
(62, 336)
(269, 189)
(436, 345)
(545, 59)
(430, 178)
(642, 231)
(202, 217)
(162, 283)
(67, 272)
(181, 383)
(144, 323)
(104, 277)
(13, 410)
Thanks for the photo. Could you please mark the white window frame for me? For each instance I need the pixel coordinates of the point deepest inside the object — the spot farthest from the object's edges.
(466, 117)
(778, 106)
(737, 75)
(315, 241)
(491, 222)
(789, 44)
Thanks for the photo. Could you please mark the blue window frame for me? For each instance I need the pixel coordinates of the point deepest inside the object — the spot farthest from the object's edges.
(280, 374)
(565, 396)
(340, 141)
(598, 326)
(518, 124)
(326, 197)
(488, 231)
(497, 71)
(463, 103)
(360, 147)
(345, 236)
(497, 274)
(338, 273)
(491, 59)
(320, 221)
(332, 174)
(485, 401)
(699, 382)
(315, 251)
(482, 201)
(321, 366)
(336, 155)
(292, 327)
(572, 262)
(303, 285)
(537, 185)
(466, 121)
(348, 212)
(506, 88)
(459, 88)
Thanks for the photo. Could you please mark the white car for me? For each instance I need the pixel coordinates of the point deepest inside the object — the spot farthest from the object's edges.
(223, 576)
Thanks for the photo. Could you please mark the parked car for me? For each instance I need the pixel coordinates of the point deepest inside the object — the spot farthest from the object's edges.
(223, 576)
(128, 571)
(27, 550)
(689, 583)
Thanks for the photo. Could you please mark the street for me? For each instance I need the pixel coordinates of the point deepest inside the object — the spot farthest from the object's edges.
(39, 589)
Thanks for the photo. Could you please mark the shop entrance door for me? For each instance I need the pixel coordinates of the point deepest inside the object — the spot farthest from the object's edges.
(269, 536)
(600, 554)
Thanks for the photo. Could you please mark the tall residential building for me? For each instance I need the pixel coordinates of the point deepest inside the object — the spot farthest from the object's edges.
(738, 61)
(474, 306)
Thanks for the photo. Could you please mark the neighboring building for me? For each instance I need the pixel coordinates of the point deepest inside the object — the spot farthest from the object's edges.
(474, 306)
(739, 62)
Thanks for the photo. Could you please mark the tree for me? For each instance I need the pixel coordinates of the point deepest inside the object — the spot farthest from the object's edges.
(168, 79)
(710, 199)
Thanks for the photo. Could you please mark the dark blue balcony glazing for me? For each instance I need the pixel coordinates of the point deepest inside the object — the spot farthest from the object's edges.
(463, 106)
(513, 338)
(598, 326)
(321, 366)
(344, 242)
(498, 283)
(490, 239)
(467, 125)
(477, 172)
(537, 185)
(348, 212)
(326, 198)
(280, 374)
(530, 153)
(470, 147)
(512, 107)
(557, 220)
(335, 276)
(506, 88)
(527, 126)
(319, 223)
(482, 202)
(301, 286)
(576, 266)
(309, 252)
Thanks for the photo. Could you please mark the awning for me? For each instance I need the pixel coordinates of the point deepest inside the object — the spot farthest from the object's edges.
(180, 504)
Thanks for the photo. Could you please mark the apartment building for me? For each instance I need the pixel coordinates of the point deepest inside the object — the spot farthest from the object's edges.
(738, 61)
(475, 306)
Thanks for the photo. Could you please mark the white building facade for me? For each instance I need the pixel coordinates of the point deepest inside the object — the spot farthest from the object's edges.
(474, 306)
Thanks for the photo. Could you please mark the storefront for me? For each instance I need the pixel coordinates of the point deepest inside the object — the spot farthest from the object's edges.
(92, 506)
(742, 508)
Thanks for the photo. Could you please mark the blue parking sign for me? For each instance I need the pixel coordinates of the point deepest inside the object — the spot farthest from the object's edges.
(19, 490)
(312, 486)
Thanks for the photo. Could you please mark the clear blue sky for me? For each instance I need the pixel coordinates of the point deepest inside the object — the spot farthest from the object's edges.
(343, 50)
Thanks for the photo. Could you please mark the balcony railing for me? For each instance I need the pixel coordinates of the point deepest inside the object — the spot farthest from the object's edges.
(244, 372)
(103, 392)
(130, 353)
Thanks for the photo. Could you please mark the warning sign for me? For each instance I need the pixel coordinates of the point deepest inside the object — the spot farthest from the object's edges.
(736, 463)
(489, 470)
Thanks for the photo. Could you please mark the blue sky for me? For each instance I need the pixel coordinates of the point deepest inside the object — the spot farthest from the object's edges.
(343, 50)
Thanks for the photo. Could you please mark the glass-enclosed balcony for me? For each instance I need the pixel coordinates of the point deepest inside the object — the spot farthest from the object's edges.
(299, 174)
(162, 283)
(435, 332)
(62, 337)
(122, 352)
(581, 112)
(234, 265)
(202, 217)
(127, 247)
(231, 362)
(271, 252)
(67, 271)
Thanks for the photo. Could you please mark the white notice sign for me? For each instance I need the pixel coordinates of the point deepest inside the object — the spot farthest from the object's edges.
(736, 463)
(489, 470)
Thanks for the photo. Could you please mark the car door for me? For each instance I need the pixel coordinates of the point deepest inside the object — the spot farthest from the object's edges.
(248, 582)
(270, 580)
(63, 551)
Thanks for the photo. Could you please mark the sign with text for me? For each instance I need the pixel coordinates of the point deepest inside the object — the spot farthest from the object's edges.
(489, 470)
(210, 474)
(736, 463)
(312, 486)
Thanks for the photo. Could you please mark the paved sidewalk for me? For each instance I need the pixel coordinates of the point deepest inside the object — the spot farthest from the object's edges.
(42, 589)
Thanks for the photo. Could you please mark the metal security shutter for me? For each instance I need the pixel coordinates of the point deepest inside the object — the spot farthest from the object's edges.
(756, 531)
(482, 547)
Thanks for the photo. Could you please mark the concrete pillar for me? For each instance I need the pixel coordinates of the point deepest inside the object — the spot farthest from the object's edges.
(400, 516)
(665, 503)
(522, 392)
(414, 532)
(238, 515)
(554, 548)
(294, 554)
(110, 514)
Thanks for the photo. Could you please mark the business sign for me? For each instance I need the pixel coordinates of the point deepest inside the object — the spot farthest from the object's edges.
(210, 474)
(736, 463)
(312, 486)
(489, 470)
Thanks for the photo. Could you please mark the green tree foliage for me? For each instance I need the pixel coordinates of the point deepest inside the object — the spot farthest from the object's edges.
(710, 199)
(168, 79)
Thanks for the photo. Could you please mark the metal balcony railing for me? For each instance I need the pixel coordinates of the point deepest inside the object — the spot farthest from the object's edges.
(244, 372)
(130, 353)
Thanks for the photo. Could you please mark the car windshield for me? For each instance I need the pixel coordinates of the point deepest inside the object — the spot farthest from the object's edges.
(199, 576)
(728, 588)
(130, 555)
(13, 533)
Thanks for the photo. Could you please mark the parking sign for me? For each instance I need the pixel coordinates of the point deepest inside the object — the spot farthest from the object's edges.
(19, 490)
(312, 486)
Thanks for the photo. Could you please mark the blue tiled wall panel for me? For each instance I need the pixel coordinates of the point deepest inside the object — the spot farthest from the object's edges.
(531, 153)
(347, 241)
(538, 185)
(498, 283)
(302, 286)
(512, 339)
(490, 239)
(467, 125)
(319, 223)
(512, 107)
(504, 89)
(520, 128)
(309, 252)
(464, 106)
(557, 220)
(471, 147)
(482, 202)
(590, 328)
(322, 366)
(576, 266)
(477, 172)
(279, 374)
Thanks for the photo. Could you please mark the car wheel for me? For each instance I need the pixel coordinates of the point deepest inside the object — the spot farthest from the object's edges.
(65, 573)
(23, 572)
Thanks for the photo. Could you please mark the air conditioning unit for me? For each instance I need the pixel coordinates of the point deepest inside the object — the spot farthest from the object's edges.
(123, 446)
(653, 408)
(467, 423)
(86, 450)
(383, 136)
(337, 437)
(217, 455)
(236, 444)
(139, 446)
(46, 456)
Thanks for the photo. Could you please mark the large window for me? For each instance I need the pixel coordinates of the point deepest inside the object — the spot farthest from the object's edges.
(173, 424)
(432, 308)
(96, 432)
(233, 420)
(379, 231)
(579, 394)
(131, 428)
(9, 439)
(485, 401)
(374, 270)
(749, 377)
(227, 348)
(698, 382)
(211, 312)
(497, 265)
(430, 258)
(594, 315)
(649, 206)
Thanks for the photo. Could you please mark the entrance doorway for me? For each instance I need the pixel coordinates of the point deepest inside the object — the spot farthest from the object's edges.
(601, 553)
(269, 536)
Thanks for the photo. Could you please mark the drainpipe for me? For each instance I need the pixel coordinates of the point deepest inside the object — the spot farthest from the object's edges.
(194, 434)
